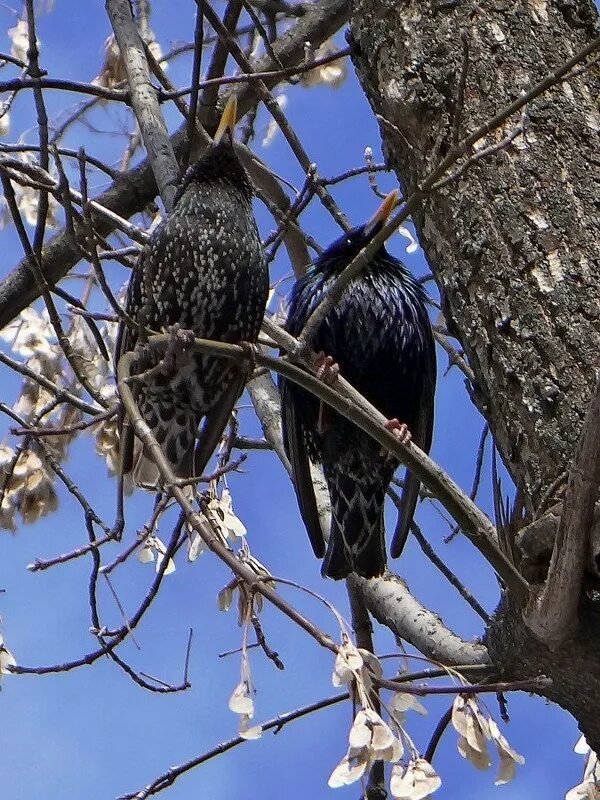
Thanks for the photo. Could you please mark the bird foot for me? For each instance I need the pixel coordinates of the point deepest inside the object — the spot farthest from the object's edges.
(180, 339)
(399, 429)
(327, 369)
(181, 336)
(250, 351)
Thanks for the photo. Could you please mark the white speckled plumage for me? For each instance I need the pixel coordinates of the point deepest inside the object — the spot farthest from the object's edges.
(204, 271)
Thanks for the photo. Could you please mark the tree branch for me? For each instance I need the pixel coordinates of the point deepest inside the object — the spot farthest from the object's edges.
(553, 616)
(389, 600)
(144, 100)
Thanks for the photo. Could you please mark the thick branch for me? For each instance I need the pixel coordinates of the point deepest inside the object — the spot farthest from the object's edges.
(144, 100)
(554, 616)
(389, 600)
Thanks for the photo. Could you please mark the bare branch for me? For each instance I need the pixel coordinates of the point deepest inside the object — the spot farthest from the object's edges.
(144, 101)
(389, 600)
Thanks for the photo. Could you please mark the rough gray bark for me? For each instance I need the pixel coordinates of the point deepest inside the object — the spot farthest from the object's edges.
(513, 245)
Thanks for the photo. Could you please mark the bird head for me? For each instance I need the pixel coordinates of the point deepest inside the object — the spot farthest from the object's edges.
(380, 217)
(219, 163)
(351, 243)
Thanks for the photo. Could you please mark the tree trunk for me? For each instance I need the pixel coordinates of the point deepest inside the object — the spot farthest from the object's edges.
(513, 244)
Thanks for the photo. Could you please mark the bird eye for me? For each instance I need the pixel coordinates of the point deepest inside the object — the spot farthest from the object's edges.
(348, 241)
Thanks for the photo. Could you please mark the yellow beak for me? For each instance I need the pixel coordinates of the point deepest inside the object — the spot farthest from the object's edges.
(385, 209)
(228, 119)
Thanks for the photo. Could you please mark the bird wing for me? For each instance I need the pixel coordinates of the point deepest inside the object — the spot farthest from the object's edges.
(215, 423)
(295, 449)
(422, 435)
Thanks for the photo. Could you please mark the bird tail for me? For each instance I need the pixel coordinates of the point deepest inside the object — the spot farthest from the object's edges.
(408, 502)
(177, 438)
(357, 537)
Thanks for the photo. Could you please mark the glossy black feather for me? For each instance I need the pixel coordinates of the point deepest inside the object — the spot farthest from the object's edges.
(203, 270)
(380, 335)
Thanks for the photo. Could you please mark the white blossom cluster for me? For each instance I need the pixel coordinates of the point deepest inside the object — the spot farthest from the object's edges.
(25, 475)
(113, 69)
(373, 739)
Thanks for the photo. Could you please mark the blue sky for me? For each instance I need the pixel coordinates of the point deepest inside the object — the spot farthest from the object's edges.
(93, 733)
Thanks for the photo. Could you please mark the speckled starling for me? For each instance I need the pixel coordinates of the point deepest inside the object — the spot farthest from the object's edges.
(380, 336)
(204, 271)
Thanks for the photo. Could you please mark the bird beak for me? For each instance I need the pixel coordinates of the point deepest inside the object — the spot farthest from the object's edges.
(385, 209)
(228, 119)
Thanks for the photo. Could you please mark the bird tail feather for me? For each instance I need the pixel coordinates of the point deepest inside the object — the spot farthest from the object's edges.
(408, 502)
(177, 440)
(357, 537)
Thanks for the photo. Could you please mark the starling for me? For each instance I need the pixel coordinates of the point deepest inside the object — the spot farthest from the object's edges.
(381, 339)
(203, 270)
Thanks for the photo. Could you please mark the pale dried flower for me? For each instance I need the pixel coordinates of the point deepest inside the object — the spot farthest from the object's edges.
(5, 216)
(85, 350)
(113, 70)
(4, 120)
(273, 126)
(6, 456)
(240, 701)
(31, 488)
(58, 445)
(30, 334)
(589, 788)
(220, 511)
(7, 660)
(156, 50)
(412, 245)
(369, 730)
(225, 596)
(370, 739)
(348, 662)
(332, 74)
(34, 505)
(469, 722)
(479, 759)
(107, 442)
(509, 758)
(28, 200)
(417, 782)
(401, 702)
(154, 550)
(350, 769)
(7, 514)
(19, 38)
(248, 731)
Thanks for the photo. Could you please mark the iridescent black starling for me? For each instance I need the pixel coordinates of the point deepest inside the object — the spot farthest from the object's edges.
(380, 336)
(203, 270)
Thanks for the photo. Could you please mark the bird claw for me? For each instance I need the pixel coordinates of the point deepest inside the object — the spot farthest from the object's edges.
(180, 340)
(250, 351)
(327, 369)
(399, 429)
(180, 337)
